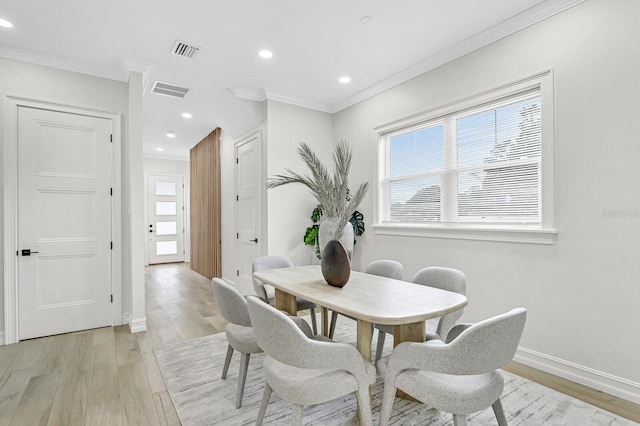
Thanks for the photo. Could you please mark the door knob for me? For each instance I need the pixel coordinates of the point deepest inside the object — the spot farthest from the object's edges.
(255, 240)
(28, 252)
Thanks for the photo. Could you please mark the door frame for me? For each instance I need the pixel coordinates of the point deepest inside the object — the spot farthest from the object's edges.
(261, 195)
(184, 212)
(10, 207)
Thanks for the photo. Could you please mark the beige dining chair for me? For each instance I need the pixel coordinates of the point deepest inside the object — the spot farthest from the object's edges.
(266, 293)
(443, 278)
(304, 371)
(460, 376)
(384, 268)
(233, 307)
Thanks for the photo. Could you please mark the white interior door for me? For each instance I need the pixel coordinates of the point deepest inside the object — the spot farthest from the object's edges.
(165, 208)
(248, 209)
(64, 222)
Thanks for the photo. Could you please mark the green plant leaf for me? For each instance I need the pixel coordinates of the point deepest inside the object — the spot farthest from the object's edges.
(311, 236)
(357, 221)
(318, 254)
(317, 214)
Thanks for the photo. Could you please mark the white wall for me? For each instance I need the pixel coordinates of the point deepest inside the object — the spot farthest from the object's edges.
(583, 292)
(289, 207)
(152, 166)
(63, 87)
(228, 203)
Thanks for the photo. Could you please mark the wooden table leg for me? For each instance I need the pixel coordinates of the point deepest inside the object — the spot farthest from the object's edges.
(415, 332)
(364, 339)
(325, 321)
(286, 302)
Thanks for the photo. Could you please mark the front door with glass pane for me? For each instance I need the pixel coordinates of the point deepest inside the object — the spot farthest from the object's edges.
(165, 227)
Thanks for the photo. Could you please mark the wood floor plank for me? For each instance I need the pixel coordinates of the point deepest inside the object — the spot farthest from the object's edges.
(53, 356)
(36, 402)
(104, 406)
(12, 387)
(70, 404)
(7, 355)
(137, 400)
(165, 409)
(28, 353)
(156, 382)
(127, 347)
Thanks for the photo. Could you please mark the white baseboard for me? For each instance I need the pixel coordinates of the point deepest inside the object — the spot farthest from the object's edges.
(604, 382)
(2, 338)
(137, 325)
(126, 317)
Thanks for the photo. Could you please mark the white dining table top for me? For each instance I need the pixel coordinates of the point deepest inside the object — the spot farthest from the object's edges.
(367, 297)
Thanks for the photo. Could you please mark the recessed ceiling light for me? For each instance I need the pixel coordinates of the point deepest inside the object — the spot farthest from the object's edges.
(4, 23)
(186, 115)
(266, 54)
(171, 135)
(160, 149)
(344, 79)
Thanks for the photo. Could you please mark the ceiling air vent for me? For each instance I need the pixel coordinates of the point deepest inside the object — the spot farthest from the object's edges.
(167, 89)
(184, 49)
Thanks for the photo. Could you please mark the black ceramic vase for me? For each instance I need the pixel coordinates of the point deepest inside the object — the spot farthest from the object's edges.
(335, 264)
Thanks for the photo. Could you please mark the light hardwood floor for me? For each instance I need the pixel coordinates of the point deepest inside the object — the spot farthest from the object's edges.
(109, 376)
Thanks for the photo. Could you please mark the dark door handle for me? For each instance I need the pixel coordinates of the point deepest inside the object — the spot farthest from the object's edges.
(255, 240)
(28, 252)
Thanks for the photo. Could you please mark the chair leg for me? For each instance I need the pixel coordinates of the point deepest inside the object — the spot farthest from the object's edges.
(388, 395)
(380, 347)
(314, 325)
(364, 406)
(459, 420)
(242, 378)
(263, 405)
(296, 414)
(499, 412)
(334, 320)
(227, 361)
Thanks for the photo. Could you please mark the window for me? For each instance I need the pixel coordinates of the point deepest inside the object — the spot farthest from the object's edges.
(485, 163)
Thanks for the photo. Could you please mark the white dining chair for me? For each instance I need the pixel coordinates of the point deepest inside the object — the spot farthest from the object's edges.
(266, 293)
(233, 308)
(459, 376)
(443, 278)
(304, 371)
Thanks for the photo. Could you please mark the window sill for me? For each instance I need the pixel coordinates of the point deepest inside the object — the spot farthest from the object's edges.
(512, 234)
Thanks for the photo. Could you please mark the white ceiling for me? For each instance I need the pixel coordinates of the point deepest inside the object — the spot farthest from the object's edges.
(314, 43)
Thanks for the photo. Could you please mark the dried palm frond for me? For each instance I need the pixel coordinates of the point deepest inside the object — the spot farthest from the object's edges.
(331, 192)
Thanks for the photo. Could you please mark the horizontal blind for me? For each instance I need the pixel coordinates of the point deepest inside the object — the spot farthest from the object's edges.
(502, 147)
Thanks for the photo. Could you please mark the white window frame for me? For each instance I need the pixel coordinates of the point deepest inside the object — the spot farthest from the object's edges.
(537, 233)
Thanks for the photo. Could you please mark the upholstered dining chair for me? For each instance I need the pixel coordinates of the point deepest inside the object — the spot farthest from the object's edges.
(460, 376)
(437, 328)
(384, 268)
(304, 371)
(233, 307)
(266, 293)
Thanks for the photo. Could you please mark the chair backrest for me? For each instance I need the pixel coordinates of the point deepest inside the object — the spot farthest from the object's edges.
(487, 345)
(231, 303)
(276, 333)
(263, 263)
(446, 279)
(385, 268)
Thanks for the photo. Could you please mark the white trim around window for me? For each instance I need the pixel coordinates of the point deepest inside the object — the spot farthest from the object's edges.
(540, 231)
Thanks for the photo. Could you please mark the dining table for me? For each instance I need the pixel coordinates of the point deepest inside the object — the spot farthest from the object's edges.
(369, 299)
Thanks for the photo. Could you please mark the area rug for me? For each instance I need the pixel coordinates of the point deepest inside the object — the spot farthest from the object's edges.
(192, 369)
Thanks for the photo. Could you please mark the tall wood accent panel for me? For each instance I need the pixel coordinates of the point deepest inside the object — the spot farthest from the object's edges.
(206, 238)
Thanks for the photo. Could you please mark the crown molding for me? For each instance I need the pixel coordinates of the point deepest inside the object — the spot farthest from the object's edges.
(45, 59)
(519, 22)
(266, 94)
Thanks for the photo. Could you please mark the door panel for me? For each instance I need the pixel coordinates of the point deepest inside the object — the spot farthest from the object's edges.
(165, 204)
(64, 218)
(248, 210)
